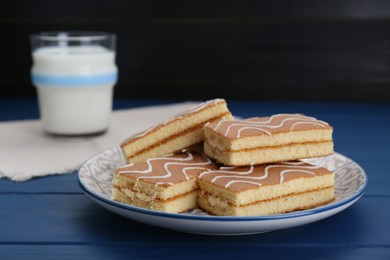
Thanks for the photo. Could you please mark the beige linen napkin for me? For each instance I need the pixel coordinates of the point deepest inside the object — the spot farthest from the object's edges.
(26, 151)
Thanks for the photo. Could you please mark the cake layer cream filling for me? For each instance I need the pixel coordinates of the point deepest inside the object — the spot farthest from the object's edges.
(269, 154)
(137, 195)
(301, 201)
(153, 191)
(267, 192)
(223, 143)
(174, 127)
(177, 204)
(173, 144)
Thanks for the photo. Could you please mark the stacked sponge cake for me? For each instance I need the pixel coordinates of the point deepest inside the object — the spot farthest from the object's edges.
(159, 175)
(168, 183)
(259, 140)
(176, 133)
(256, 168)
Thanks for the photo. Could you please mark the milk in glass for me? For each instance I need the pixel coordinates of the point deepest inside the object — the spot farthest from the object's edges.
(75, 87)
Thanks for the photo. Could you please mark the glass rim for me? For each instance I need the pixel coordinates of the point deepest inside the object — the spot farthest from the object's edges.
(72, 35)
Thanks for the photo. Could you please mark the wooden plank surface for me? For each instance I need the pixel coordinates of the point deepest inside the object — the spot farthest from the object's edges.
(211, 250)
(75, 219)
(50, 217)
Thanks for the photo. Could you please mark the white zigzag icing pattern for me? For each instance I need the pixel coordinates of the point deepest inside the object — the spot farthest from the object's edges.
(177, 116)
(248, 124)
(173, 161)
(296, 166)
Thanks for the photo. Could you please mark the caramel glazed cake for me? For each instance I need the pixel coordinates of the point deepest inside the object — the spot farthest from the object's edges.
(265, 189)
(175, 134)
(282, 137)
(167, 183)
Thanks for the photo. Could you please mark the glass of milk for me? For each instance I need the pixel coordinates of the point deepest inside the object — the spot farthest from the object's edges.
(74, 74)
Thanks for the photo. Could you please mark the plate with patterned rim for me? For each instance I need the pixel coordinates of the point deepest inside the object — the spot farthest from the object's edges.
(95, 176)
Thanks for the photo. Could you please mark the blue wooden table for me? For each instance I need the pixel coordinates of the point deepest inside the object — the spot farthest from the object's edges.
(50, 217)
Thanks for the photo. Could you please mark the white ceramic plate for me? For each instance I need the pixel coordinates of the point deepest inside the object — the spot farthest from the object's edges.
(95, 177)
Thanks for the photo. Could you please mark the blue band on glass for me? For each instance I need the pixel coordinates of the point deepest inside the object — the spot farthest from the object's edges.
(74, 81)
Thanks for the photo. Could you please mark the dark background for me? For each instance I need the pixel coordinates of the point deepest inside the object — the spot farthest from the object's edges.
(266, 50)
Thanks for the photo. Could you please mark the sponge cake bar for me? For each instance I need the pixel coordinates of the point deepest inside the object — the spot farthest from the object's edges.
(265, 189)
(259, 140)
(176, 133)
